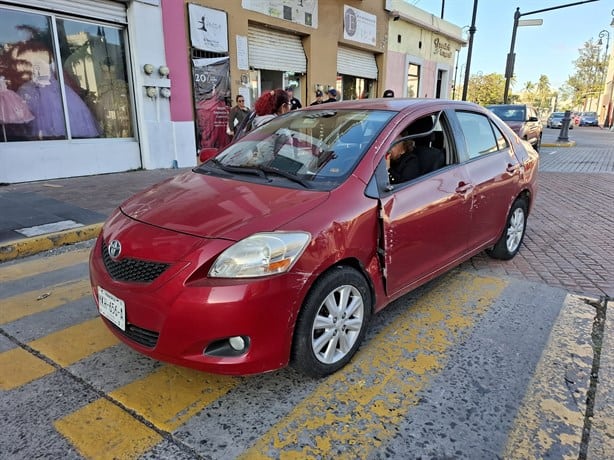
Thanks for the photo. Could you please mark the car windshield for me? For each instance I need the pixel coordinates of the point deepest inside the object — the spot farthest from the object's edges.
(557, 115)
(590, 114)
(509, 113)
(309, 148)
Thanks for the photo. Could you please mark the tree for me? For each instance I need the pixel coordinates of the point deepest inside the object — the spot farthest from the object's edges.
(587, 82)
(486, 89)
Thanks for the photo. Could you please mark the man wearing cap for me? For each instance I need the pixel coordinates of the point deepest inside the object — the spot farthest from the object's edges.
(294, 102)
(332, 95)
(318, 100)
(388, 93)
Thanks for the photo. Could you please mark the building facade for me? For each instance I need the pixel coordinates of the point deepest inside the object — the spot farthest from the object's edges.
(422, 49)
(99, 86)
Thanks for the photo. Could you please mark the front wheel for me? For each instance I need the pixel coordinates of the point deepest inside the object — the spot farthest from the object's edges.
(332, 322)
(513, 234)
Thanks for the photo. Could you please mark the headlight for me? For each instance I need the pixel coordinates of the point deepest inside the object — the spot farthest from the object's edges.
(261, 254)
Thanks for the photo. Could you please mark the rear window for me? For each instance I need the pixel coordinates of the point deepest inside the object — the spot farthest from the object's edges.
(509, 113)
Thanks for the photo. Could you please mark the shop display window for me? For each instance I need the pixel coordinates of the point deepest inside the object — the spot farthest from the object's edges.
(61, 79)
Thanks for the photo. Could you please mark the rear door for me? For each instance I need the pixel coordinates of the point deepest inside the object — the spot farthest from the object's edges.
(494, 172)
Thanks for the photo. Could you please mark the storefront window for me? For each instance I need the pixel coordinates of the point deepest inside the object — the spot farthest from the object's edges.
(357, 88)
(81, 94)
(413, 80)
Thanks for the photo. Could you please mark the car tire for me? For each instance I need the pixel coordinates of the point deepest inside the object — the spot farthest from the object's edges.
(509, 243)
(325, 340)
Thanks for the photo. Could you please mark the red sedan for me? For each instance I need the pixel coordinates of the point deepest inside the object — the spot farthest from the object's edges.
(279, 249)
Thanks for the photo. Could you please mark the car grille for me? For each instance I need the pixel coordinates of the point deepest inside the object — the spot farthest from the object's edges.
(140, 271)
(139, 335)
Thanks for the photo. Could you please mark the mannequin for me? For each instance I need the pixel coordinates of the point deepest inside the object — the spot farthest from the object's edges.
(13, 109)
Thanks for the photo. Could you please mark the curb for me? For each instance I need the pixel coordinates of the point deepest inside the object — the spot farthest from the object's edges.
(559, 144)
(30, 246)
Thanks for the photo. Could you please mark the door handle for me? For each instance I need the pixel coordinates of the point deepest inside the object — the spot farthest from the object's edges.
(463, 188)
(512, 168)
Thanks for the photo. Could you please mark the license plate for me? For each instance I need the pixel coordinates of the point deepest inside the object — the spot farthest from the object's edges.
(112, 308)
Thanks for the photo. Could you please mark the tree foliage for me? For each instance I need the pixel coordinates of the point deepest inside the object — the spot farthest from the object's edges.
(486, 89)
(587, 81)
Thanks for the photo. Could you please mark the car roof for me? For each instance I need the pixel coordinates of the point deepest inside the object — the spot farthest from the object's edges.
(393, 104)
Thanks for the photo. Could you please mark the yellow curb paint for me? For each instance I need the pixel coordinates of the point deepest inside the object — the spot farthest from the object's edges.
(65, 347)
(167, 398)
(101, 431)
(551, 415)
(357, 409)
(44, 265)
(29, 303)
(18, 367)
(70, 345)
(29, 246)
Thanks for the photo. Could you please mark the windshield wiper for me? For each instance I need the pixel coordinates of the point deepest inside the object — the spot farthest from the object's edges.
(258, 171)
(286, 174)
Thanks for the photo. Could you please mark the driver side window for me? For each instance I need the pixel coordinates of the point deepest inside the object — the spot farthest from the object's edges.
(422, 147)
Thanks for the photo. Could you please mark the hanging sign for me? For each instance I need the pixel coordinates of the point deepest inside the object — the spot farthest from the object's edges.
(208, 29)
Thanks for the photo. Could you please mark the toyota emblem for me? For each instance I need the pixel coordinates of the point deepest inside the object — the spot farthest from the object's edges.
(115, 249)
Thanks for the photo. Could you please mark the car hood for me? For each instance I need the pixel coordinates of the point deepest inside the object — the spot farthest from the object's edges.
(213, 207)
(515, 125)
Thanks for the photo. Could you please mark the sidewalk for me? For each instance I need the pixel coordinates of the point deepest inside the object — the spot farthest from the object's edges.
(38, 216)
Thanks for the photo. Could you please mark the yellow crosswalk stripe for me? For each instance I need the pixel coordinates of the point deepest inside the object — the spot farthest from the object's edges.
(551, 417)
(29, 303)
(65, 347)
(42, 265)
(18, 367)
(411, 350)
(102, 430)
(72, 344)
(167, 398)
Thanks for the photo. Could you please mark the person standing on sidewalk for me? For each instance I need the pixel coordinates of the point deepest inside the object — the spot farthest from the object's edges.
(237, 114)
(295, 104)
(332, 95)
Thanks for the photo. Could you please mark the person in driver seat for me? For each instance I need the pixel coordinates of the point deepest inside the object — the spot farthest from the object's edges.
(402, 162)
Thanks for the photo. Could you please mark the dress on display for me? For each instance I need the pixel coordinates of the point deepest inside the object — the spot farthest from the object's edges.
(45, 101)
(13, 109)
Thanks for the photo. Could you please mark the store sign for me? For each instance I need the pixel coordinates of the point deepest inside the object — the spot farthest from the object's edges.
(442, 48)
(304, 12)
(208, 29)
(359, 26)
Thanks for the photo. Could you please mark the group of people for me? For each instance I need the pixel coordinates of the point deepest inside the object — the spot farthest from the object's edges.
(271, 104)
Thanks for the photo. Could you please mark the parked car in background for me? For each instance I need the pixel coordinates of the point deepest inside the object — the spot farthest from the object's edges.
(555, 120)
(279, 249)
(523, 120)
(588, 119)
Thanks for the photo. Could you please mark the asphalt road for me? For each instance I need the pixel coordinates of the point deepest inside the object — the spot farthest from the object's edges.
(484, 362)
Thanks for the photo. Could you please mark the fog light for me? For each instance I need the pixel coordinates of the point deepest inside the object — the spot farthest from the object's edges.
(237, 343)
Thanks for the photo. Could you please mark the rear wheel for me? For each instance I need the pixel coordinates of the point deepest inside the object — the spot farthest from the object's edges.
(513, 234)
(332, 322)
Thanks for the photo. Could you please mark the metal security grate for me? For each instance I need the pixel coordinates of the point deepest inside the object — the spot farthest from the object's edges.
(140, 271)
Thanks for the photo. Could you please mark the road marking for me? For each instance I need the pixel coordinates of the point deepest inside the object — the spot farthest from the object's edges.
(553, 152)
(167, 398)
(43, 265)
(551, 417)
(65, 347)
(18, 367)
(29, 303)
(72, 344)
(49, 228)
(355, 411)
(102, 430)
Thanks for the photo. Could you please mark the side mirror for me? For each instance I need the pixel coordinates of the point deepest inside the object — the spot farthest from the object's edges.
(207, 153)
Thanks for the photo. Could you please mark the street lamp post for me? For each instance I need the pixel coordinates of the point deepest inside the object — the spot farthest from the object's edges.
(509, 68)
(602, 34)
(472, 30)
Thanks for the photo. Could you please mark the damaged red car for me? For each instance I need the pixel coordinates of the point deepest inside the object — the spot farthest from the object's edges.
(279, 249)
